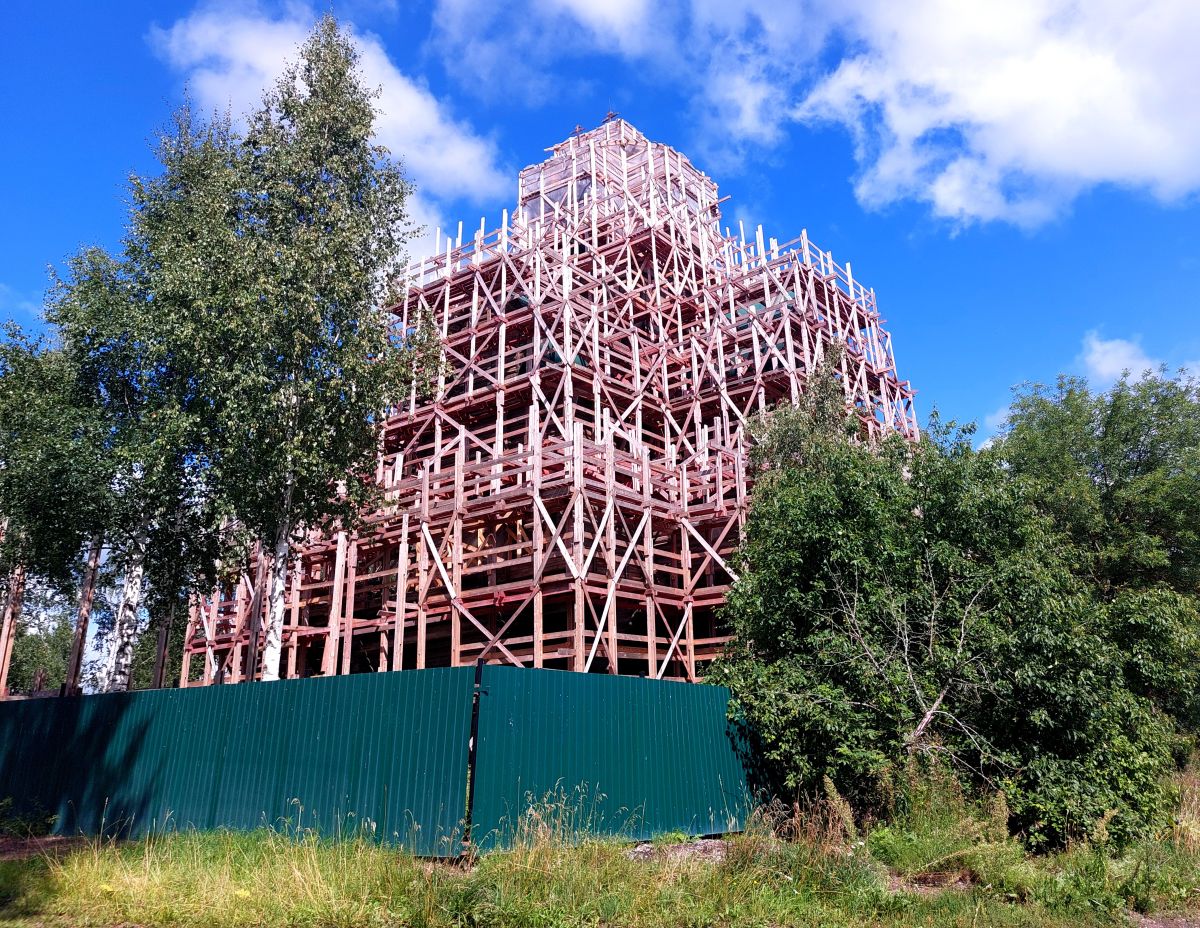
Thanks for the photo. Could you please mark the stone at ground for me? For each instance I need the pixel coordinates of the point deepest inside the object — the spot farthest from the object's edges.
(700, 849)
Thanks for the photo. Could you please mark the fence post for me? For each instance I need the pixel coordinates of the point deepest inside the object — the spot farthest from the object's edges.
(472, 751)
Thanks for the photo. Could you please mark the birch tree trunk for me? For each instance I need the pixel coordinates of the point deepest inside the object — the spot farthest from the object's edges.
(120, 655)
(276, 600)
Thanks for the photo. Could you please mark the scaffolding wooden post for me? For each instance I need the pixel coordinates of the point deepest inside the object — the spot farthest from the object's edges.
(185, 669)
(87, 596)
(401, 599)
(348, 598)
(13, 601)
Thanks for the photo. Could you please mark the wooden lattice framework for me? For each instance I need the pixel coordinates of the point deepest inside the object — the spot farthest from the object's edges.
(572, 494)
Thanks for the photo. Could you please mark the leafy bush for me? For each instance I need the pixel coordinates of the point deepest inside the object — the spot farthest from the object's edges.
(902, 599)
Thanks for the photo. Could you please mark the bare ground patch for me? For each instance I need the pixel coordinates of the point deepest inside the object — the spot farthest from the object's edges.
(14, 848)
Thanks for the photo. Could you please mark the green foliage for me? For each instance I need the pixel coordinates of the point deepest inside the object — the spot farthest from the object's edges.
(1119, 474)
(269, 257)
(1152, 876)
(904, 599)
(30, 824)
(274, 288)
(110, 326)
(1157, 632)
(51, 450)
(932, 827)
(155, 515)
(1118, 471)
(220, 382)
(43, 642)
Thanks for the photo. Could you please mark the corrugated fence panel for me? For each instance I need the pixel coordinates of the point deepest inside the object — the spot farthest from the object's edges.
(604, 755)
(383, 752)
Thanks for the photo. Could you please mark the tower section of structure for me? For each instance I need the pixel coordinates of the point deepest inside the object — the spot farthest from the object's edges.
(572, 493)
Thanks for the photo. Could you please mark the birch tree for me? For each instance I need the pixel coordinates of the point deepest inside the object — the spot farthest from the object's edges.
(112, 332)
(50, 460)
(50, 467)
(94, 310)
(308, 364)
(186, 251)
(237, 348)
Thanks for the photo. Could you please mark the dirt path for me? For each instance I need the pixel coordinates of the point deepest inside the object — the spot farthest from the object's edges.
(12, 848)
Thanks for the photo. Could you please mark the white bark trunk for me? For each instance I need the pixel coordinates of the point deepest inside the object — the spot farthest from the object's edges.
(916, 734)
(125, 627)
(276, 601)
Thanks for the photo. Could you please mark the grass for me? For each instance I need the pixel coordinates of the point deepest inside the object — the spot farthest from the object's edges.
(821, 872)
(267, 879)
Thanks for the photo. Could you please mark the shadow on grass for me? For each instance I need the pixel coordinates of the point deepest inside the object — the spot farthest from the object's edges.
(26, 887)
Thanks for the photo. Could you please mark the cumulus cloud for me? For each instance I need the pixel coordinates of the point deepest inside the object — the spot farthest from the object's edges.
(1106, 359)
(999, 110)
(993, 110)
(1103, 361)
(510, 49)
(1007, 109)
(229, 56)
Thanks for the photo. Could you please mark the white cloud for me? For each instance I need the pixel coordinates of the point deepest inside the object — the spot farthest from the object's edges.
(992, 110)
(1106, 359)
(229, 57)
(509, 49)
(16, 306)
(1007, 109)
(745, 103)
(618, 20)
(994, 420)
(995, 110)
(992, 423)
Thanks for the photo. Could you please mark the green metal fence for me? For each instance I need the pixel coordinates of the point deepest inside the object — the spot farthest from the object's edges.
(589, 753)
(383, 754)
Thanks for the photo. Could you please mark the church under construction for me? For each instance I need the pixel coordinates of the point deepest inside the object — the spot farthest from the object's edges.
(571, 494)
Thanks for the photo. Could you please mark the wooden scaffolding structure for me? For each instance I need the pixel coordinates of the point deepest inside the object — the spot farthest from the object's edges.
(572, 494)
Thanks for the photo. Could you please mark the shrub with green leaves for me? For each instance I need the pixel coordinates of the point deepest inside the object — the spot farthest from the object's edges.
(899, 599)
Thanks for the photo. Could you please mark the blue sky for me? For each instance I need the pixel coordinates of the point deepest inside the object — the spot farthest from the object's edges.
(1017, 180)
